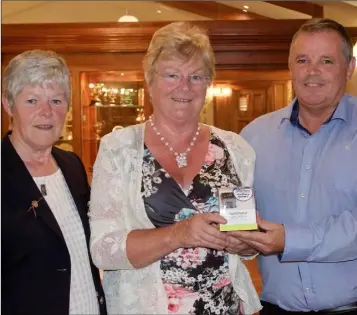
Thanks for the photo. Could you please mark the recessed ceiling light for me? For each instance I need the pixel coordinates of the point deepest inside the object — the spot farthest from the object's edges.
(245, 7)
(245, 10)
(158, 11)
(122, 73)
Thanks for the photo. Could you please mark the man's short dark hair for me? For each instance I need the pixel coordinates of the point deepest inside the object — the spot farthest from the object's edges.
(321, 25)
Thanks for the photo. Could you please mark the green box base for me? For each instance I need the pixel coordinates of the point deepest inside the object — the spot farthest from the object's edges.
(238, 227)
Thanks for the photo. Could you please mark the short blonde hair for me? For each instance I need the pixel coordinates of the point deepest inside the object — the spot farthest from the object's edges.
(35, 67)
(179, 39)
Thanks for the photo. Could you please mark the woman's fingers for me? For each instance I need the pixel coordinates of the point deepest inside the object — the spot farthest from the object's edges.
(201, 231)
(214, 237)
(213, 218)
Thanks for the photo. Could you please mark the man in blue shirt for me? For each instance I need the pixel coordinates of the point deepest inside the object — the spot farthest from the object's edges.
(306, 181)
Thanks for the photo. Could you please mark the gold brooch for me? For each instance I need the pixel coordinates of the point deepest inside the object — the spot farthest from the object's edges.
(34, 205)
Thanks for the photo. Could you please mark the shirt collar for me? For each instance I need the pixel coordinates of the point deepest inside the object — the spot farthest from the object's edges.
(291, 112)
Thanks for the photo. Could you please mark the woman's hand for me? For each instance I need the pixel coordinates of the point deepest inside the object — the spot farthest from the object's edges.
(200, 230)
(237, 246)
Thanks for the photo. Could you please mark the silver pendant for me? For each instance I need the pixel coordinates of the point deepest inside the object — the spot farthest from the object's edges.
(181, 160)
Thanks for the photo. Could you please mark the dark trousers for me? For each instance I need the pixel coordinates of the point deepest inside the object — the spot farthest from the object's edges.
(271, 309)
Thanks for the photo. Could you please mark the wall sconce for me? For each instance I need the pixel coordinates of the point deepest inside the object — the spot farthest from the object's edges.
(221, 91)
(243, 103)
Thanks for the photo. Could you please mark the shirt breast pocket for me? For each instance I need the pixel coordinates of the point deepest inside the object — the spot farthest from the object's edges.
(340, 182)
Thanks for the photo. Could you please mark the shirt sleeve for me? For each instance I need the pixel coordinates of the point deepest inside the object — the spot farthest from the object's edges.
(107, 212)
(246, 133)
(333, 239)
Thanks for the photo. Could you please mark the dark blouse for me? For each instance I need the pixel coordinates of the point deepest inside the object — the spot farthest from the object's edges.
(196, 279)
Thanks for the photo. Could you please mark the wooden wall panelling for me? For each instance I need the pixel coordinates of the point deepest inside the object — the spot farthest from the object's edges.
(279, 95)
(268, 37)
(267, 41)
(263, 97)
(224, 109)
(5, 119)
(222, 106)
(262, 86)
(257, 106)
(258, 103)
(252, 75)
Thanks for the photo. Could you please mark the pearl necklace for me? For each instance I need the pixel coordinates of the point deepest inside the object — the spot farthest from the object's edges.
(181, 158)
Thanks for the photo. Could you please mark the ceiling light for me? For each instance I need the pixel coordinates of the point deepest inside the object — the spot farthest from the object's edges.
(158, 11)
(245, 10)
(245, 7)
(128, 18)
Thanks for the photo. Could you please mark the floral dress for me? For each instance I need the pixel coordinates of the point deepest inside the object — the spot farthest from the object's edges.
(196, 280)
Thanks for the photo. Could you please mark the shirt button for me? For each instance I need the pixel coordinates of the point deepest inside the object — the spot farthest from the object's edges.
(101, 300)
(302, 195)
(307, 167)
(307, 289)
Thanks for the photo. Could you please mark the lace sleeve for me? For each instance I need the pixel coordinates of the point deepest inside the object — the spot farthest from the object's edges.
(106, 212)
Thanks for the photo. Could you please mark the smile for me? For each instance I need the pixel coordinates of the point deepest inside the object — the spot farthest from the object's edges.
(313, 84)
(181, 100)
(44, 127)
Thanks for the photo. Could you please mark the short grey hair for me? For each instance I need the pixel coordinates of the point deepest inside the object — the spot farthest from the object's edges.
(321, 25)
(179, 39)
(35, 67)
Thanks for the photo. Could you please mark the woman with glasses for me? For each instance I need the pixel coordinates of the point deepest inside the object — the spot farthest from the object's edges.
(154, 211)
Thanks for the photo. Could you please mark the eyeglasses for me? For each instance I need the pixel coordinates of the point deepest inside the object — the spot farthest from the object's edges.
(176, 78)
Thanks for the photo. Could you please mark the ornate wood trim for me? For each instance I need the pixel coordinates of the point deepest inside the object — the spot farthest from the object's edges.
(250, 44)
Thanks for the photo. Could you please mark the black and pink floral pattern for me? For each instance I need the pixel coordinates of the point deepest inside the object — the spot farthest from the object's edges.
(196, 280)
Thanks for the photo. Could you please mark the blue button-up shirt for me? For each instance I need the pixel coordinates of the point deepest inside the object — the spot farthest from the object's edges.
(309, 183)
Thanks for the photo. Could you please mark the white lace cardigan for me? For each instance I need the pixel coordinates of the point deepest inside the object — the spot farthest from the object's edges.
(116, 208)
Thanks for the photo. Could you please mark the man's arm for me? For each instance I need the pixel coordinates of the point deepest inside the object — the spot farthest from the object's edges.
(333, 239)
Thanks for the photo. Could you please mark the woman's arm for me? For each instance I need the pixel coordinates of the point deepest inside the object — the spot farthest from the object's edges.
(147, 246)
(114, 247)
(107, 210)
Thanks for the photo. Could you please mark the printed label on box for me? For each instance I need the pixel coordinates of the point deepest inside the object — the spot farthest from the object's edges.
(237, 206)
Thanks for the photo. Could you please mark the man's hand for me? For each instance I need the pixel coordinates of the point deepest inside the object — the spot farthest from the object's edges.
(237, 246)
(270, 240)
